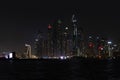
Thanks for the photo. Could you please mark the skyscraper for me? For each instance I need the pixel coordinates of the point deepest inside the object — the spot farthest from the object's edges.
(50, 41)
(57, 38)
(39, 42)
(75, 39)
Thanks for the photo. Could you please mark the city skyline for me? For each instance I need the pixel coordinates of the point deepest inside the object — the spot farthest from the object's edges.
(19, 25)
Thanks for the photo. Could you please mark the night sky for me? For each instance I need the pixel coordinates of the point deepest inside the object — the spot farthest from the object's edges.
(20, 22)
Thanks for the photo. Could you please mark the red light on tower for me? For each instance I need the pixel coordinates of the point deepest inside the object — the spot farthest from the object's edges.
(100, 48)
(49, 26)
(91, 45)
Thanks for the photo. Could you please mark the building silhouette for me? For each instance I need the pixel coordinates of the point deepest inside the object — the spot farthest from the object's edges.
(62, 40)
(39, 44)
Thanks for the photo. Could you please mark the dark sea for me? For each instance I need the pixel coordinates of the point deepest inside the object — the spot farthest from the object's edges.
(69, 69)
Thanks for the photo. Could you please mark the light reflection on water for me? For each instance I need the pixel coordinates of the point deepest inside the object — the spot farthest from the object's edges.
(76, 69)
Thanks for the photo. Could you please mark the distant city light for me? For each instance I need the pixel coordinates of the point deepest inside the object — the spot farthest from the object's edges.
(109, 42)
(49, 26)
(59, 21)
(97, 37)
(36, 39)
(91, 44)
(10, 55)
(6, 56)
(66, 28)
(27, 45)
(115, 45)
(62, 57)
(100, 48)
(73, 19)
(90, 36)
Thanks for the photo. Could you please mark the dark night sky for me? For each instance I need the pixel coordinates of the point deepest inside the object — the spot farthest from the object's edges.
(19, 23)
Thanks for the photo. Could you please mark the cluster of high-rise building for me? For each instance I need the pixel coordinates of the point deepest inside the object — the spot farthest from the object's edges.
(70, 41)
(61, 40)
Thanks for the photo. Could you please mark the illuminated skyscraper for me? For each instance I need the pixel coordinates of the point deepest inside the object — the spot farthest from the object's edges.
(39, 42)
(66, 41)
(62, 40)
(58, 38)
(77, 37)
(50, 41)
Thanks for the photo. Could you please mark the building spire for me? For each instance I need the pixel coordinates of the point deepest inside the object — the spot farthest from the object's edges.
(74, 18)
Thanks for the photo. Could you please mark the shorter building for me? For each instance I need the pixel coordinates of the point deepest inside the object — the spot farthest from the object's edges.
(8, 55)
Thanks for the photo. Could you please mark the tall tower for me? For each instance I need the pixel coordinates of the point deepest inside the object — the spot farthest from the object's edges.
(39, 42)
(66, 46)
(50, 41)
(58, 38)
(75, 36)
(28, 51)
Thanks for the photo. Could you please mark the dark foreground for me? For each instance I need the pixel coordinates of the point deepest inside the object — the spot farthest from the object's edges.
(75, 69)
